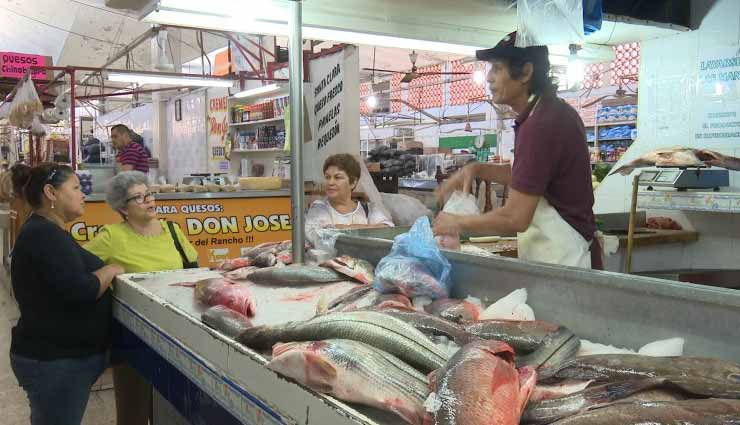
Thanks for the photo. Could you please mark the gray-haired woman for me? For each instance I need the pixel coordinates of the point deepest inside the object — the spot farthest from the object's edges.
(141, 243)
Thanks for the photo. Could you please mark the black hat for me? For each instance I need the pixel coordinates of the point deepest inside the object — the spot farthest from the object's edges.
(506, 48)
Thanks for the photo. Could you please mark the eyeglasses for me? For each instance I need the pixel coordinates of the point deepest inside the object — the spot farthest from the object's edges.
(140, 199)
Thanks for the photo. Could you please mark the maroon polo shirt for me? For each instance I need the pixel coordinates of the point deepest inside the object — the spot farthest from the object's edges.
(551, 159)
(135, 155)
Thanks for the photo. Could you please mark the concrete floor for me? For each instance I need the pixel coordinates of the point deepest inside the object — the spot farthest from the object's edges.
(14, 410)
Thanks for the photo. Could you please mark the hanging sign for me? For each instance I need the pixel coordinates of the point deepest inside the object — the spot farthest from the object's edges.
(15, 65)
(218, 129)
(332, 100)
(218, 228)
(718, 100)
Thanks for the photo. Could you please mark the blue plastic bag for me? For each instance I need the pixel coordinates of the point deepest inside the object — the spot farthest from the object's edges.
(415, 266)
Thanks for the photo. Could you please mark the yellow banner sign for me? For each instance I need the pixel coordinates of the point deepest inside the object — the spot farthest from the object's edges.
(218, 228)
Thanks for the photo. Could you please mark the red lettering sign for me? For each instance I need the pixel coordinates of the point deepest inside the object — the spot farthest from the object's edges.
(15, 65)
(218, 104)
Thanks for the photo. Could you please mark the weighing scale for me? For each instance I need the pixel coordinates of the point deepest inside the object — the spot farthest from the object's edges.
(686, 178)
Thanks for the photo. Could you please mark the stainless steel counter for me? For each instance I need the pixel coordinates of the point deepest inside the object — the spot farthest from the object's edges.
(100, 197)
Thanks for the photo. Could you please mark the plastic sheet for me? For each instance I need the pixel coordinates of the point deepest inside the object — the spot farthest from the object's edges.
(546, 22)
(459, 203)
(415, 266)
(226, 292)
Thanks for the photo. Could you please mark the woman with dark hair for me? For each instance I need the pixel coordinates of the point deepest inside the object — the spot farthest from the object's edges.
(58, 348)
(338, 209)
(550, 204)
(19, 208)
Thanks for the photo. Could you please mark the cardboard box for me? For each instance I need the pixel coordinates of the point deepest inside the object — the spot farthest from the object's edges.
(373, 167)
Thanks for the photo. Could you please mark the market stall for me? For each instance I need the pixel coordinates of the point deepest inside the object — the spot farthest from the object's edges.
(214, 373)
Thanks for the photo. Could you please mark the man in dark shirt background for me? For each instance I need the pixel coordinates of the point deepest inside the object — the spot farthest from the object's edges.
(132, 156)
(550, 204)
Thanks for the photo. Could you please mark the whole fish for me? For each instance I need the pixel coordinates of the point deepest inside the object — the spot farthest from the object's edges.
(226, 292)
(241, 273)
(688, 412)
(226, 320)
(705, 377)
(547, 346)
(354, 372)
(235, 263)
(379, 330)
(265, 259)
(285, 257)
(357, 269)
(548, 411)
(674, 157)
(254, 251)
(481, 386)
(454, 310)
(295, 275)
(557, 390)
(361, 298)
(429, 325)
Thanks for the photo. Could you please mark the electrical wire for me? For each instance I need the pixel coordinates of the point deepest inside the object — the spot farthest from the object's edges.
(58, 28)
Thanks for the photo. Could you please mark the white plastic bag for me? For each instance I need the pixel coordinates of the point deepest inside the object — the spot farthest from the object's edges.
(546, 22)
(404, 209)
(25, 106)
(461, 203)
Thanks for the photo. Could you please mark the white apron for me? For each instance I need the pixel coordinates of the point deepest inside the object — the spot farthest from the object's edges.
(550, 239)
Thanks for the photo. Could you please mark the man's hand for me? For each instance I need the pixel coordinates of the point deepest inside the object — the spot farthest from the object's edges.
(447, 224)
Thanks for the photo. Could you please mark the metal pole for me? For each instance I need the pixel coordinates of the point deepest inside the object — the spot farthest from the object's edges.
(72, 116)
(295, 63)
(631, 228)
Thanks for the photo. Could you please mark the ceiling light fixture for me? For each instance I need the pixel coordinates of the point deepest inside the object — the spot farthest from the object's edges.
(270, 88)
(576, 68)
(479, 77)
(146, 78)
(371, 101)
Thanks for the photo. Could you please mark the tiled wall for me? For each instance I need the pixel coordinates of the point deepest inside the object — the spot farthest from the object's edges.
(187, 145)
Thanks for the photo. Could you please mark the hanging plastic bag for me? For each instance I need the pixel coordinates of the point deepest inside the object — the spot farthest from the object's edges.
(547, 22)
(404, 209)
(460, 203)
(25, 106)
(415, 266)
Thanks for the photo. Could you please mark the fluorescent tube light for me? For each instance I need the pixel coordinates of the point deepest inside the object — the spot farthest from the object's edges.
(279, 26)
(133, 77)
(258, 91)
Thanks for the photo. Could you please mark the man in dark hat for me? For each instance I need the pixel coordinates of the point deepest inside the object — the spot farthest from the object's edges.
(550, 204)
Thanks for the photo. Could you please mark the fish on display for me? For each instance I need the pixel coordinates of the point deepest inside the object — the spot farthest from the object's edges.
(265, 259)
(547, 346)
(376, 329)
(687, 412)
(255, 251)
(285, 257)
(454, 310)
(706, 377)
(226, 292)
(241, 273)
(548, 411)
(235, 263)
(675, 157)
(226, 320)
(354, 372)
(481, 386)
(557, 390)
(429, 325)
(357, 269)
(295, 275)
(363, 297)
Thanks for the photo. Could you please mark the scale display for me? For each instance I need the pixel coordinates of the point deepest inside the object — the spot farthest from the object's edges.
(684, 179)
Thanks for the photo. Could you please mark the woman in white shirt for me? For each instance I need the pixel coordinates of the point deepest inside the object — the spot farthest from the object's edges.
(338, 210)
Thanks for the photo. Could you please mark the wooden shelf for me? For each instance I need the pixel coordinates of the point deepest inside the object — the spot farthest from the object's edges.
(273, 150)
(610, 123)
(265, 121)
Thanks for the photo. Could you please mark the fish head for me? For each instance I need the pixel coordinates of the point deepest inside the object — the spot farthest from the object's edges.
(305, 362)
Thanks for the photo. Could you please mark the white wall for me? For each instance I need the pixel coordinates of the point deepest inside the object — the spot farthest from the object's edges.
(669, 111)
(669, 115)
(140, 120)
(187, 149)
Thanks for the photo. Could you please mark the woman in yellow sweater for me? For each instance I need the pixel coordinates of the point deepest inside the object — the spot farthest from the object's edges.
(141, 243)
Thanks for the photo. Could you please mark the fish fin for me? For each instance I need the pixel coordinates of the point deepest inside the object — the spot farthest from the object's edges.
(320, 374)
(613, 391)
(323, 305)
(432, 379)
(527, 382)
(499, 349)
(405, 411)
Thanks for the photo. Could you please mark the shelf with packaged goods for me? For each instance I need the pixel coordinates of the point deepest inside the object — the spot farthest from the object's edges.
(257, 151)
(611, 123)
(258, 122)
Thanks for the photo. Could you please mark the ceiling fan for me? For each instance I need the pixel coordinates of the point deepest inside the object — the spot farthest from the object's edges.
(414, 73)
